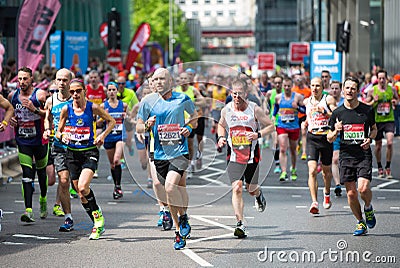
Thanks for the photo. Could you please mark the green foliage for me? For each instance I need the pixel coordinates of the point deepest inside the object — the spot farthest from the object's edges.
(156, 13)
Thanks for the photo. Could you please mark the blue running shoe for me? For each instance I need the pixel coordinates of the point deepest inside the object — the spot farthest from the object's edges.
(184, 226)
(68, 225)
(277, 170)
(370, 217)
(160, 218)
(361, 229)
(167, 221)
(179, 241)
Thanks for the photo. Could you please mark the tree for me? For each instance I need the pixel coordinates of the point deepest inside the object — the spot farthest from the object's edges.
(156, 13)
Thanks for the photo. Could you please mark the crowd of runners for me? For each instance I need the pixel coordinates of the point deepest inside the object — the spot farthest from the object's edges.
(327, 124)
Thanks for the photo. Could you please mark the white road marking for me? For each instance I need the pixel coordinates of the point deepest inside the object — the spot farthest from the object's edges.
(13, 243)
(301, 206)
(34, 236)
(192, 241)
(385, 184)
(396, 208)
(8, 212)
(111, 203)
(202, 262)
(346, 207)
(18, 201)
(296, 196)
(381, 198)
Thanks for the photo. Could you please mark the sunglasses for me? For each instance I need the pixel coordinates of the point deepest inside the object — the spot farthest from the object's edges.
(78, 91)
(237, 93)
(121, 83)
(112, 89)
(53, 91)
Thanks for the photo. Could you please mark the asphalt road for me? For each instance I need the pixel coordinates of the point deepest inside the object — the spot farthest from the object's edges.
(285, 235)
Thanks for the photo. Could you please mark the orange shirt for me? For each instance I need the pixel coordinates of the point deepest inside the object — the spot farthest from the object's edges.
(306, 92)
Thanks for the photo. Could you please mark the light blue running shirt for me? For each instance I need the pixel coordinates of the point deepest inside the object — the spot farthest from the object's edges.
(170, 118)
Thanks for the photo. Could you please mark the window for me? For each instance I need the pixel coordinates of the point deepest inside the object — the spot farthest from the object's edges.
(232, 12)
(207, 1)
(207, 13)
(181, 1)
(195, 14)
(220, 1)
(232, 1)
(195, 1)
(220, 13)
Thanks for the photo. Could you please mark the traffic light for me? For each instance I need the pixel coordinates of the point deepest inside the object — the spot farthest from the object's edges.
(114, 29)
(343, 37)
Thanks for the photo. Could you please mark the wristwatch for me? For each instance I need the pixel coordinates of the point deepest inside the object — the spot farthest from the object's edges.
(259, 134)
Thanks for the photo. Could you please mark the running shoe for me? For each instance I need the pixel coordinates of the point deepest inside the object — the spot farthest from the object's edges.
(260, 202)
(131, 151)
(160, 218)
(73, 193)
(381, 173)
(314, 208)
(167, 221)
(277, 169)
(370, 217)
(57, 210)
(184, 226)
(199, 161)
(149, 183)
(283, 176)
(298, 148)
(95, 235)
(240, 230)
(68, 225)
(338, 190)
(27, 216)
(361, 228)
(293, 174)
(43, 207)
(123, 165)
(190, 170)
(117, 194)
(95, 175)
(327, 201)
(303, 156)
(388, 174)
(179, 241)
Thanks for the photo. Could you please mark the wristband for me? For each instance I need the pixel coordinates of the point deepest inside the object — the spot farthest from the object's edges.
(258, 134)
(220, 137)
(188, 128)
(4, 122)
(47, 129)
(146, 127)
(37, 111)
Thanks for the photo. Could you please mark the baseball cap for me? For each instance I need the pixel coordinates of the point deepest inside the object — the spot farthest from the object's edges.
(190, 70)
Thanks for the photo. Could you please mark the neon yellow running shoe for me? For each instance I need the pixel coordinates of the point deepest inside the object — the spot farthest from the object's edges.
(57, 210)
(27, 216)
(43, 207)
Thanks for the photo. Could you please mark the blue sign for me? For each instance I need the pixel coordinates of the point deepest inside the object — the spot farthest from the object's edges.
(55, 49)
(76, 51)
(323, 56)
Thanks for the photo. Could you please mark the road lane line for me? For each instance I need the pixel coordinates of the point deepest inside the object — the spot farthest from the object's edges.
(202, 262)
(34, 236)
(396, 208)
(13, 243)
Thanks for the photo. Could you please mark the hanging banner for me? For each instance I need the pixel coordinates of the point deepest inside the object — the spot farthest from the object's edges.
(35, 19)
(139, 40)
(103, 31)
(76, 51)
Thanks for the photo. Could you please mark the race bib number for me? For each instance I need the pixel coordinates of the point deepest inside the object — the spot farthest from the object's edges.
(169, 134)
(27, 130)
(383, 108)
(354, 132)
(79, 135)
(239, 138)
(319, 123)
(287, 115)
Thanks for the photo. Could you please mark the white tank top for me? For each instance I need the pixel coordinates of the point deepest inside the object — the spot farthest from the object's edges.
(318, 123)
(239, 123)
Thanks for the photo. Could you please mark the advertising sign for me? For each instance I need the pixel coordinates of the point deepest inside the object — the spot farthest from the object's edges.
(297, 51)
(323, 56)
(56, 49)
(266, 61)
(76, 51)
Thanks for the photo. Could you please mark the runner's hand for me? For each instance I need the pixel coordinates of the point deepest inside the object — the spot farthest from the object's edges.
(185, 132)
(251, 136)
(338, 125)
(13, 121)
(151, 121)
(140, 137)
(221, 142)
(366, 143)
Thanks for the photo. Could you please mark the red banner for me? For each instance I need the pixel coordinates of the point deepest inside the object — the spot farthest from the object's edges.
(103, 30)
(139, 40)
(34, 23)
